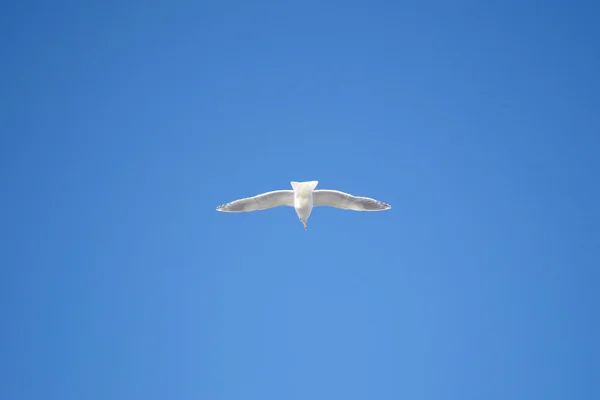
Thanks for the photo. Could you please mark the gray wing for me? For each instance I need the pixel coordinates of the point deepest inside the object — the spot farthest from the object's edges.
(345, 201)
(260, 202)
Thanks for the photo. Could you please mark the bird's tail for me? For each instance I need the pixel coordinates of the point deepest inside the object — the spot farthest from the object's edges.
(310, 184)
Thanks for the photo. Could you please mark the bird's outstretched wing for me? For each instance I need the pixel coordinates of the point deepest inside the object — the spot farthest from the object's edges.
(262, 201)
(345, 201)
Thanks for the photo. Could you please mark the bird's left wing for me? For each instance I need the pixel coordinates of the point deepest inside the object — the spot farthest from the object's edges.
(262, 201)
(345, 201)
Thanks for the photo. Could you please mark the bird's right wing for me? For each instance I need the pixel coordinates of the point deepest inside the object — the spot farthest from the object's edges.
(263, 201)
(345, 201)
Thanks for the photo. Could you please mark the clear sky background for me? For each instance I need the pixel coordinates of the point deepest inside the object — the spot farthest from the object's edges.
(124, 124)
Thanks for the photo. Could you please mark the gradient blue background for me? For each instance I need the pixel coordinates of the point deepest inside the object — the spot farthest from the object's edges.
(124, 124)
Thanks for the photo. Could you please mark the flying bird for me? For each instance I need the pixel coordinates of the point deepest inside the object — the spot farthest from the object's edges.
(303, 198)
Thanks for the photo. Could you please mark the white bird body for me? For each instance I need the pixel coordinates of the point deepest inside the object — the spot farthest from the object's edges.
(303, 198)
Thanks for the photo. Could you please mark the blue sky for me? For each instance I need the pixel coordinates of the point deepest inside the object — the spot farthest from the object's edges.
(125, 124)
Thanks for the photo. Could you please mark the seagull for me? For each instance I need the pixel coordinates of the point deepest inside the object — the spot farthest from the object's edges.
(303, 198)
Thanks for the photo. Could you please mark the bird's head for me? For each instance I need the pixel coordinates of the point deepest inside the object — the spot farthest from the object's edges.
(303, 222)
